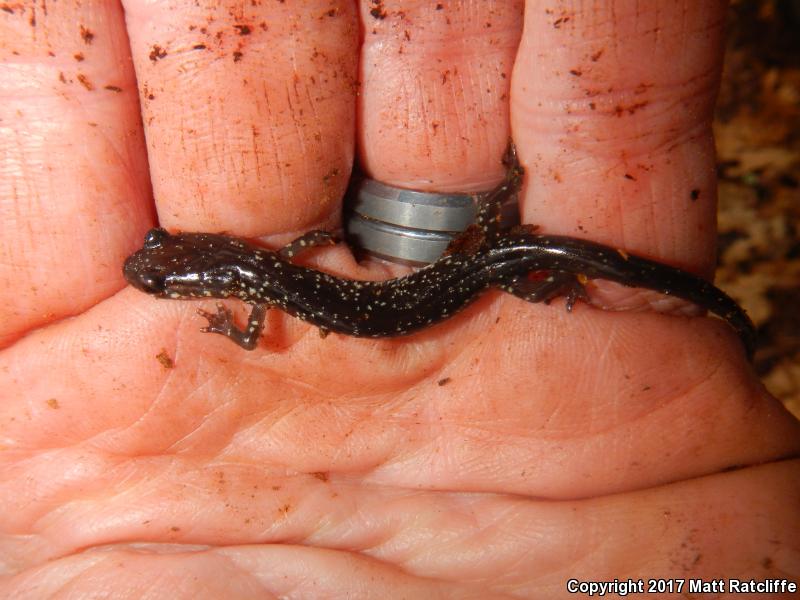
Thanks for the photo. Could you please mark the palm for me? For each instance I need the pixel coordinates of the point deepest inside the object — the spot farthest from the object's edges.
(504, 451)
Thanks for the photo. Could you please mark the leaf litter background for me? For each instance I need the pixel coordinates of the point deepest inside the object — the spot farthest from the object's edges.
(757, 128)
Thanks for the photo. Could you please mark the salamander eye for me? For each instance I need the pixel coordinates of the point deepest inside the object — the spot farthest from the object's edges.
(155, 238)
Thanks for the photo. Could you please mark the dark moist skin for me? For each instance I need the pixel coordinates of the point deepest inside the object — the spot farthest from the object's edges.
(204, 265)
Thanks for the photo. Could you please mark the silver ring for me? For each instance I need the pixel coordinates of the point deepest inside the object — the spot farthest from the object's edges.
(410, 226)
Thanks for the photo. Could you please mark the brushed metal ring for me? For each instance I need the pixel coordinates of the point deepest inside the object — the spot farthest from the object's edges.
(410, 226)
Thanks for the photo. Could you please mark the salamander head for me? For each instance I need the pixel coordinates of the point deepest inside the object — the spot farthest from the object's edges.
(187, 265)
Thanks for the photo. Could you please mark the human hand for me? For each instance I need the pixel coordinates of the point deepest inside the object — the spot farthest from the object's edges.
(500, 453)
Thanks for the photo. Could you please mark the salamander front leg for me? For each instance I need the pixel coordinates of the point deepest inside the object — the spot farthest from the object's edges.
(306, 241)
(222, 322)
(557, 284)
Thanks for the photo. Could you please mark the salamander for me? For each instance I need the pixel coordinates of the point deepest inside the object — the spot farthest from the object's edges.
(206, 265)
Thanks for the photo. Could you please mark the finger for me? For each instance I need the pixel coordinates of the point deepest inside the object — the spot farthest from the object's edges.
(675, 531)
(433, 108)
(74, 184)
(612, 113)
(248, 111)
(239, 572)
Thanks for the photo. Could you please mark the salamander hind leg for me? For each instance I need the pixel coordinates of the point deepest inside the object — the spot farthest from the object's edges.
(514, 170)
(555, 285)
(490, 207)
(468, 242)
(222, 322)
(305, 242)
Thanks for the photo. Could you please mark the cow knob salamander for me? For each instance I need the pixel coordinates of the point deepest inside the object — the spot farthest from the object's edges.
(201, 265)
